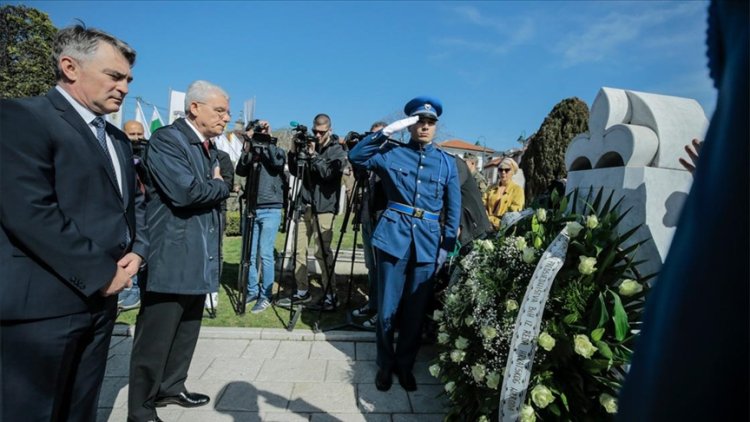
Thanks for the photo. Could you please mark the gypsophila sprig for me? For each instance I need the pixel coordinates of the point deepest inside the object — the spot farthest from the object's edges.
(585, 339)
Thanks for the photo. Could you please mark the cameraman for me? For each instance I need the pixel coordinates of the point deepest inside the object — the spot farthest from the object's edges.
(324, 162)
(269, 200)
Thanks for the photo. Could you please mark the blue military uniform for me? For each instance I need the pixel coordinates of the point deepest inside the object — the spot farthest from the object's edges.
(420, 181)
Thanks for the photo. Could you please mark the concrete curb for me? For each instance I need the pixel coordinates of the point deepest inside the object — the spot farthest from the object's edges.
(233, 333)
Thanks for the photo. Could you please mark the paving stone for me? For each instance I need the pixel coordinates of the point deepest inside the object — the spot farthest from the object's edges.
(298, 370)
(198, 366)
(200, 415)
(118, 366)
(287, 416)
(120, 345)
(221, 348)
(114, 392)
(427, 353)
(323, 398)
(418, 417)
(350, 417)
(371, 400)
(301, 334)
(349, 372)
(366, 350)
(261, 349)
(349, 336)
(235, 369)
(335, 350)
(256, 397)
(121, 414)
(422, 373)
(293, 350)
(428, 399)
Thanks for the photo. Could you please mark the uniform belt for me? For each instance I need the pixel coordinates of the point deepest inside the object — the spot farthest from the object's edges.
(413, 211)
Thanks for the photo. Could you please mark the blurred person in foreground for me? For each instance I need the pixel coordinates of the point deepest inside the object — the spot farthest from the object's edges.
(691, 359)
(72, 231)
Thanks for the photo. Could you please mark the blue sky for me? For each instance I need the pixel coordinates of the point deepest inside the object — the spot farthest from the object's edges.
(498, 67)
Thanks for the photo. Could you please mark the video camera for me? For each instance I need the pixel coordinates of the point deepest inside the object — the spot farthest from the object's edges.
(259, 139)
(139, 147)
(300, 136)
(353, 137)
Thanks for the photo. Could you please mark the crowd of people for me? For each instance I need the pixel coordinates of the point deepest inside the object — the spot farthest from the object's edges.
(99, 219)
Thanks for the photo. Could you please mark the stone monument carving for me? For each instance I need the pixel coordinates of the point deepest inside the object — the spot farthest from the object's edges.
(634, 142)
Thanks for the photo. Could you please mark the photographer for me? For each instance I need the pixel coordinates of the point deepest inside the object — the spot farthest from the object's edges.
(260, 148)
(321, 161)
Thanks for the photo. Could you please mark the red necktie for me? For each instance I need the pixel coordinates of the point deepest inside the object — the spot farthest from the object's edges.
(205, 146)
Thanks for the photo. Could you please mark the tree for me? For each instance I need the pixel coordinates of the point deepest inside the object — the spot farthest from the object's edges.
(544, 159)
(26, 38)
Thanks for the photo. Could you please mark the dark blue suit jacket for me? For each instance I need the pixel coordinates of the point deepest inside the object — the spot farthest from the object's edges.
(63, 221)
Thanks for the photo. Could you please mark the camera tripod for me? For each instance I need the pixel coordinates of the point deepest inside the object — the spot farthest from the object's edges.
(353, 206)
(247, 218)
(293, 216)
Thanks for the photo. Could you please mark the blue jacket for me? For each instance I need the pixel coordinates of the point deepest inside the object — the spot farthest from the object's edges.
(416, 175)
(183, 206)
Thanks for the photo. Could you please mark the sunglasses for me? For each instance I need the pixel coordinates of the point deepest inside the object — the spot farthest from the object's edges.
(503, 170)
(320, 132)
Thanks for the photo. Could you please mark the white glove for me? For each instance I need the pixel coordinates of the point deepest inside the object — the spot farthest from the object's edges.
(399, 125)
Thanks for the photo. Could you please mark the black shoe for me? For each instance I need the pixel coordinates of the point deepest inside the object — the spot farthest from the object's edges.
(383, 380)
(407, 380)
(295, 299)
(329, 304)
(364, 311)
(183, 399)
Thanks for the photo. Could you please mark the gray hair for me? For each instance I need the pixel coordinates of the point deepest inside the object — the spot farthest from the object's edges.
(200, 91)
(81, 43)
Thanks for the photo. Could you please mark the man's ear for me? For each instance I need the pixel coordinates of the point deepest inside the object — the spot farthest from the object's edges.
(70, 68)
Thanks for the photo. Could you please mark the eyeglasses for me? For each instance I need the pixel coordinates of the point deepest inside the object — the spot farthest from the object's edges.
(503, 170)
(221, 111)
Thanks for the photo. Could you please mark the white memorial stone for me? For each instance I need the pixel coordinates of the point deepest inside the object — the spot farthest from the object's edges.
(633, 147)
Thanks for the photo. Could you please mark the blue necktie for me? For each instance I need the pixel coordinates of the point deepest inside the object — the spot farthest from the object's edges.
(101, 136)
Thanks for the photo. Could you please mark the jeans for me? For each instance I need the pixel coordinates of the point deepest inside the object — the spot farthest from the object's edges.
(266, 226)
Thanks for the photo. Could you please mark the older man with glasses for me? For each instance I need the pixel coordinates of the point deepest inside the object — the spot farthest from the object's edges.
(184, 191)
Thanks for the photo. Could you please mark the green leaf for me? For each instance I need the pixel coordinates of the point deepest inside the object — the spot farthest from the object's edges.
(554, 409)
(604, 349)
(597, 334)
(620, 318)
(570, 318)
(599, 315)
(564, 400)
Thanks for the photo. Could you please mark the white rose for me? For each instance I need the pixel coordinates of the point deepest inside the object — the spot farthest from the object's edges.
(529, 254)
(541, 215)
(573, 228)
(488, 332)
(520, 243)
(527, 414)
(444, 338)
(582, 346)
(437, 315)
(608, 402)
(542, 396)
(458, 355)
(493, 380)
(478, 371)
(630, 288)
(592, 222)
(587, 265)
(450, 386)
(461, 343)
(435, 370)
(546, 341)
(511, 305)
(469, 321)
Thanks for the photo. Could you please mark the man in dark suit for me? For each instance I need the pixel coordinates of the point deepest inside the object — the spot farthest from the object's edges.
(185, 191)
(72, 231)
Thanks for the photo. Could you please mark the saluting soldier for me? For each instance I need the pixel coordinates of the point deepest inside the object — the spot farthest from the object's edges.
(419, 181)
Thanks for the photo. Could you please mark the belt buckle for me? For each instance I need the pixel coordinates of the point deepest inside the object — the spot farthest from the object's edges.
(418, 212)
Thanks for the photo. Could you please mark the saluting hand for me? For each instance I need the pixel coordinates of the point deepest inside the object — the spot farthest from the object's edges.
(400, 125)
